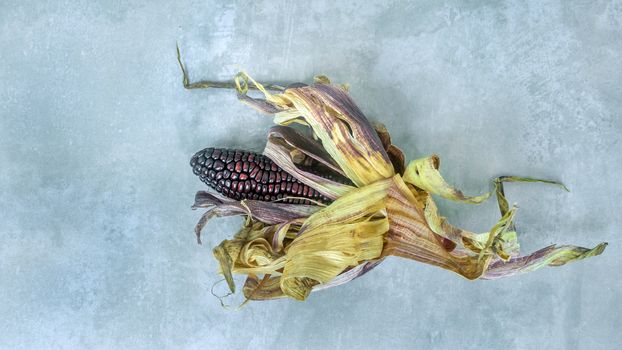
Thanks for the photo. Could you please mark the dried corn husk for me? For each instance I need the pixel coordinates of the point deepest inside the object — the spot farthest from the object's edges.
(387, 211)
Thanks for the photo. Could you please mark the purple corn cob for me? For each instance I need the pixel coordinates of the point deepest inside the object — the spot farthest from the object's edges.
(247, 175)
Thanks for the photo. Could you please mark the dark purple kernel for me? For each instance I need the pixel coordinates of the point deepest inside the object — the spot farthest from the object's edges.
(254, 172)
(218, 165)
(234, 176)
(226, 174)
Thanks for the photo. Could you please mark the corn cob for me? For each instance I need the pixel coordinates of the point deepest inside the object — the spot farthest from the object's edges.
(247, 175)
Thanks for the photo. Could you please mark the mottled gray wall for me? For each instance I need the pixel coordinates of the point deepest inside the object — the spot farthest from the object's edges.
(97, 248)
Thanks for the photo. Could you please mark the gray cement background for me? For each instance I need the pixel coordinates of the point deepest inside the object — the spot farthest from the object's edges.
(96, 242)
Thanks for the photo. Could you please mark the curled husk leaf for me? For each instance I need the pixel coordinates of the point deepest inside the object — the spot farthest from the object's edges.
(387, 209)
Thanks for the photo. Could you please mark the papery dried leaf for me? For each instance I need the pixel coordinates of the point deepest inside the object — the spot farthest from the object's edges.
(249, 253)
(498, 231)
(309, 147)
(499, 191)
(349, 275)
(344, 234)
(298, 288)
(268, 289)
(506, 244)
(266, 212)
(258, 257)
(336, 120)
(227, 252)
(424, 174)
(549, 256)
(395, 154)
(530, 179)
(223, 253)
(265, 289)
(321, 79)
(410, 237)
(279, 149)
(496, 250)
(285, 230)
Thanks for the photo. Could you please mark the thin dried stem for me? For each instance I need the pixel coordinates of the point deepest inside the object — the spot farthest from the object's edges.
(217, 84)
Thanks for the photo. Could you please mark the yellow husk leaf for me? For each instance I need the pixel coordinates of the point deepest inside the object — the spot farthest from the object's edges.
(424, 174)
(336, 121)
(411, 237)
(505, 243)
(342, 235)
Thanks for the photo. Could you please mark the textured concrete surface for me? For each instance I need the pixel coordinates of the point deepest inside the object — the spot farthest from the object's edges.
(97, 249)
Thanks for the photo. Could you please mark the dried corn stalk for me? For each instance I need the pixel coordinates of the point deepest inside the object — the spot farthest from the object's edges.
(288, 249)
